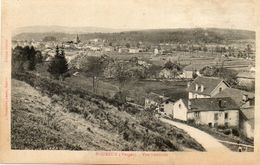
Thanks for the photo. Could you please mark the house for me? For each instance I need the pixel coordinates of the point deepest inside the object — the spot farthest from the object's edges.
(166, 108)
(134, 50)
(123, 50)
(206, 87)
(247, 123)
(167, 73)
(190, 70)
(246, 78)
(154, 100)
(156, 51)
(214, 112)
(242, 98)
(180, 109)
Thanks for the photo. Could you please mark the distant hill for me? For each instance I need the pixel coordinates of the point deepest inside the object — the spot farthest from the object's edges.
(64, 29)
(194, 35)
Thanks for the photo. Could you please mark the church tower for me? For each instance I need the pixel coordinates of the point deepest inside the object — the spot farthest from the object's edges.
(77, 39)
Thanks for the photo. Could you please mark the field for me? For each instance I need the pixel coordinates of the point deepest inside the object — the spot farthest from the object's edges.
(187, 58)
(137, 89)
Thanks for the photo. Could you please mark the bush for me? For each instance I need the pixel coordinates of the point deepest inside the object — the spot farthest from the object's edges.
(227, 131)
(235, 132)
(191, 121)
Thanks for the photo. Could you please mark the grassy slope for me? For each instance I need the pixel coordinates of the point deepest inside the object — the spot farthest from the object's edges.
(80, 122)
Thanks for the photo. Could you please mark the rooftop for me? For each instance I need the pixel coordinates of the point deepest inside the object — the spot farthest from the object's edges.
(156, 97)
(236, 94)
(213, 104)
(208, 83)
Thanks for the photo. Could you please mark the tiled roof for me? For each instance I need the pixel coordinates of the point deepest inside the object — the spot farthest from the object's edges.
(209, 84)
(185, 101)
(236, 95)
(213, 104)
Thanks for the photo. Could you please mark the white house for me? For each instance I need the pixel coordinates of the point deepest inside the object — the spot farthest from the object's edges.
(248, 122)
(180, 109)
(206, 87)
(214, 112)
(156, 51)
(134, 50)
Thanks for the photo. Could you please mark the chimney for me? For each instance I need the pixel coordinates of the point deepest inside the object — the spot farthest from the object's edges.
(196, 87)
(202, 88)
(189, 104)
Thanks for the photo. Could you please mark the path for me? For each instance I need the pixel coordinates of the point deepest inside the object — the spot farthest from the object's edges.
(207, 141)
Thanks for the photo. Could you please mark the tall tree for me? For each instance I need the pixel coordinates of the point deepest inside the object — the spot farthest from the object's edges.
(18, 59)
(58, 65)
(95, 67)
(31, 58)
(123, 76)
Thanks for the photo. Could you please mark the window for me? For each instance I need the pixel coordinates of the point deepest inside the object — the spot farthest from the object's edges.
(196, 87)
(215, 124)
(161, 109)
(220, 89)
(210, 124)
(167, 102)
(179, 105)
(226, 115)
(197, 114)
(216, 116)
(226, 124)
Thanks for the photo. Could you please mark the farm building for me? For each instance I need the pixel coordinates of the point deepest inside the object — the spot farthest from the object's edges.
(180, 109)
(174, 109)
(214, 112)
(242, 98)
(167, 73)
(154, 100)
(192, 69)
(206, 87)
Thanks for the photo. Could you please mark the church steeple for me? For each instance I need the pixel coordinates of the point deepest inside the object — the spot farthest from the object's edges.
(77, 39)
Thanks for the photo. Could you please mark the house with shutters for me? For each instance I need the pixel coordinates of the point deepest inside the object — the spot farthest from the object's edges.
(205, 87)
(214, 112)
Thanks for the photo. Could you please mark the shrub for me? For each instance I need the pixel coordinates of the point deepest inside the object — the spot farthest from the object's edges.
(227, 131)
(235, 132)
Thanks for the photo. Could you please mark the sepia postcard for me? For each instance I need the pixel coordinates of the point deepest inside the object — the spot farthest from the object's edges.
(130, 82)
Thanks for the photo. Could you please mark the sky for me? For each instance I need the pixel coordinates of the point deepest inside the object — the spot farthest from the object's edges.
(133, 14)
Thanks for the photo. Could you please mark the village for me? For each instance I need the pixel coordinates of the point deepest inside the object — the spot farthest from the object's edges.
(197, 84)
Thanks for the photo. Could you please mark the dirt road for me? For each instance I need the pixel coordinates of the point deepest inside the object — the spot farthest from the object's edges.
(207, 141)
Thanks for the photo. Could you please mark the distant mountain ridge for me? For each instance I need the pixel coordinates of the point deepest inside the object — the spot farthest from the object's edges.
(180, 35)
(65, 29)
